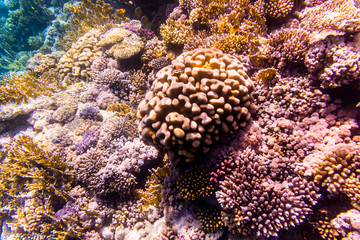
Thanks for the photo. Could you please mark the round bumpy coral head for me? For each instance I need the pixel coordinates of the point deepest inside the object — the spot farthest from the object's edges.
(202, 95)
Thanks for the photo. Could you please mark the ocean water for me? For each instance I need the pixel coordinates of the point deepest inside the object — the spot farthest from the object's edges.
(189, 119)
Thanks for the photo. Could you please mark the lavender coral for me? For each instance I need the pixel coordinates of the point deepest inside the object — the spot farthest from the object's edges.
(203, 95)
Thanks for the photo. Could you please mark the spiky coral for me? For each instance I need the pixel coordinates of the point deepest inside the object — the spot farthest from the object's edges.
(176, 32)
(32, 181)
(195, 184)
(339, 172)
(284, 45)
(87, 16)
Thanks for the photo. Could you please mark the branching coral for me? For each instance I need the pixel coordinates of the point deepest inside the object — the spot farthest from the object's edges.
(203, 95)
(19, 87)
(176, 32)
(340, 15)
(195, 184)
(285, 45)
(33, 182)
(257, 202)
(340, 172)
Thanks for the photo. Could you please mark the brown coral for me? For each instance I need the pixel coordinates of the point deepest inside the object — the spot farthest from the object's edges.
(278, 9)
(203, 95)
(339, 172)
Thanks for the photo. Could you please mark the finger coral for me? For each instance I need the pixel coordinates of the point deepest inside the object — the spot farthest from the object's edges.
(256, 202)
(203, 95)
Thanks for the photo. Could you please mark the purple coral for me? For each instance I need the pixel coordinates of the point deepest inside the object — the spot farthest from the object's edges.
(91, 112)
(90, 138)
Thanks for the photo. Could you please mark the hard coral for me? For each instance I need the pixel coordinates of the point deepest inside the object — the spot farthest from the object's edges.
(340, 15)
(121, 43)
(339, 172)
(278, 9)
(257, 202)
(195, 184)
(203, 95)
(176, 32)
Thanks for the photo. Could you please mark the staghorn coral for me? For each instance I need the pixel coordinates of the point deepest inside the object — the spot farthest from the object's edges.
(257, 202)
(151, 196)
(195, 184)
(339, 172)
(190, 110)
(19, 87)
(340, 15)
(278, 9)
(33, 183)
(127, 213)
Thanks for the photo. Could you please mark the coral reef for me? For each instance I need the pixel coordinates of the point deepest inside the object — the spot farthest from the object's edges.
(334, 14)
(278, 9)
(195, 184)
(255, 202)
(339, 172)
(190, 110)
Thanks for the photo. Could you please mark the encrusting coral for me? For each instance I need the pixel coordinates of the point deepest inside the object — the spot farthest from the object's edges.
(203, 95)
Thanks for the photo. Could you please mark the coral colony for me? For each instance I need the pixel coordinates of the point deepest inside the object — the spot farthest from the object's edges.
(180, 119)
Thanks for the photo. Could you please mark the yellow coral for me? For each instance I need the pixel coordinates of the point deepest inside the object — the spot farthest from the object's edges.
(88, 15)
(176, 32)
(151, 196)
(339, 172)
(278, 8)
(19, 87)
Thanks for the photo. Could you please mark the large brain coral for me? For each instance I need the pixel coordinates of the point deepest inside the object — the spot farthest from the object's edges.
(202, 95)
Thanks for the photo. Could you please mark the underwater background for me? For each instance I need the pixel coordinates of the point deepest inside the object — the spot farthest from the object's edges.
(179, 120)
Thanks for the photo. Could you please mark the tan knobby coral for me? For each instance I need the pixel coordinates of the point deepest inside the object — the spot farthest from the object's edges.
(203, 95)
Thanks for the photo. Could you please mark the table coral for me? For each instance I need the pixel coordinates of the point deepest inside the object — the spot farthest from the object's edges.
(203, 95)
(258, 203)
(121, 43)
(340, 15)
